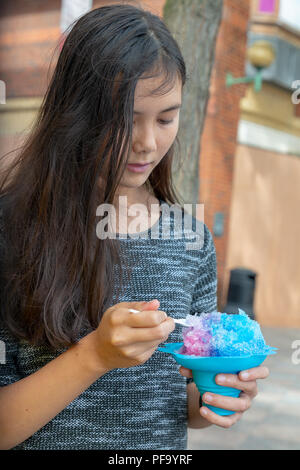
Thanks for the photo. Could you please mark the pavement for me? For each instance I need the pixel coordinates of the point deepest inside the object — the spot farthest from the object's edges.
(273, 421)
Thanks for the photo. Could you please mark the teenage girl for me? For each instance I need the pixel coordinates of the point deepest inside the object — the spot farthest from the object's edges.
(81, 370)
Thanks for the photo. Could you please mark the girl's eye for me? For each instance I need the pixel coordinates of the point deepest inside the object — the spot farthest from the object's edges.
(162, 121)
(165, 122)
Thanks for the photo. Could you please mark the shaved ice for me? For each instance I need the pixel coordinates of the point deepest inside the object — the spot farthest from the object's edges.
(222, 334)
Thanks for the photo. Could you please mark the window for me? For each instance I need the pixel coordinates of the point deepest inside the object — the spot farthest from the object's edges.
(289, 13)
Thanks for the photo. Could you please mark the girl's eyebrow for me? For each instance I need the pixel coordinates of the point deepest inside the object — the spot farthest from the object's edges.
(175, 106)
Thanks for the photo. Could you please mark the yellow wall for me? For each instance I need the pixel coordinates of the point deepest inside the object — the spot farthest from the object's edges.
(265, 231)
(272, 107)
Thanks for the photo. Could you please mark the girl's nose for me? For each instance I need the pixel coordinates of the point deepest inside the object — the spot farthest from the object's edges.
(144, 141)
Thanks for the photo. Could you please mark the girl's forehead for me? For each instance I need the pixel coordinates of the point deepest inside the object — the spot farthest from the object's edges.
(145, 89)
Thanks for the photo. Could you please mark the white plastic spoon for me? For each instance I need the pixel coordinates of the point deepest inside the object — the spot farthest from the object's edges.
(179, 321)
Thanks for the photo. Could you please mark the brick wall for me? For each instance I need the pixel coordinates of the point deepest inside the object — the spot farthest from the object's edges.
(218, 145)
(28, 33)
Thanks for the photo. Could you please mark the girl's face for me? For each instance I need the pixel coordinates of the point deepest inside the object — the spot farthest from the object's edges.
(155, 126)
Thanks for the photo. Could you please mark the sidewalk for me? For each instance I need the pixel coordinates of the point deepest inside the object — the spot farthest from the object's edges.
(273, 421)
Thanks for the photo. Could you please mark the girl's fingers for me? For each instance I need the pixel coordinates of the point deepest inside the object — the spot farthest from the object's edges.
(140, 348)
(232, 380)
(223, 421)
(240, 404)
(126, 336)
(143, 319)
(255, 373)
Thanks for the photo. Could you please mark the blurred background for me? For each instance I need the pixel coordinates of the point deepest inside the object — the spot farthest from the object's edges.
(247, 173)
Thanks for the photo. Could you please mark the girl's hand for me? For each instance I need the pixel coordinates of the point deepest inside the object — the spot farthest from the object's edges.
(125, 339)
(244, 381)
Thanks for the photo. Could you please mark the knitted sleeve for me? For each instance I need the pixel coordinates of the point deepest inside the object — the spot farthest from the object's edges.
(205, 291)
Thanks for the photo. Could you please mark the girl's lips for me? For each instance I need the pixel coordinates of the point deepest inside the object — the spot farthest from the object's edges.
(137, 168)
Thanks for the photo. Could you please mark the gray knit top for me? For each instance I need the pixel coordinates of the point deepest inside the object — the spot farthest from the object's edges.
(141, 407)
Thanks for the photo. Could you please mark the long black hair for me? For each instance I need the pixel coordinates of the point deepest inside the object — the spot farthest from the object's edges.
(59, 275)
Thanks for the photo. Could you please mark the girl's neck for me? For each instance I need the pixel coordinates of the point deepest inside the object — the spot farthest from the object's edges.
(137, 195)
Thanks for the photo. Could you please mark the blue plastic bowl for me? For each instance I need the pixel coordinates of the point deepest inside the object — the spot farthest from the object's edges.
(205, 370)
